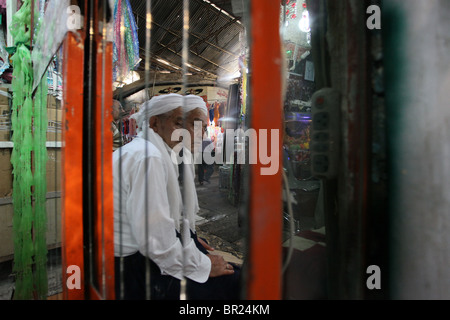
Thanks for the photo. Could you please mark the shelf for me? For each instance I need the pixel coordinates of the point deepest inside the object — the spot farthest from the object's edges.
(48, 144)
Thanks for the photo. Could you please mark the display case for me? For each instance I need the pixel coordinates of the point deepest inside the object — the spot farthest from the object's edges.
(297, 164)
(296, 143)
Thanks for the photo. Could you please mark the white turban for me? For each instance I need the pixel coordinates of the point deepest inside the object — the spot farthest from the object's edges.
(156, 106)
(193, 102)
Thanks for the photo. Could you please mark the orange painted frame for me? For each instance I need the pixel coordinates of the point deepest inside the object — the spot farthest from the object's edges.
(104, 231)
(72, 164)
(265, 202)
(72, 177)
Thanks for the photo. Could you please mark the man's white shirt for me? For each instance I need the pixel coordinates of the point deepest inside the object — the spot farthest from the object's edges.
(147, 210)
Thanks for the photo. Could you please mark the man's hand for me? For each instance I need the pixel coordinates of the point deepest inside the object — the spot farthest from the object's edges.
(205, 245)
(219, 267)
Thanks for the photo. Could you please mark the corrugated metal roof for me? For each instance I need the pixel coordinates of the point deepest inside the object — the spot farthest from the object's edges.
(214, 35)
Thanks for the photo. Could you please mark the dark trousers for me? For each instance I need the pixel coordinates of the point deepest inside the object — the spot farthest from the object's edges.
(133, 280)
(217, 288)
(165, 287)
(205, 171)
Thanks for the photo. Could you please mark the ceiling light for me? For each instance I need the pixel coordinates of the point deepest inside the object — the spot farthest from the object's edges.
(304, 22)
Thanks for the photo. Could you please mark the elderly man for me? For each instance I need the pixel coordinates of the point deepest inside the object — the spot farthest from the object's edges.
(147, 211)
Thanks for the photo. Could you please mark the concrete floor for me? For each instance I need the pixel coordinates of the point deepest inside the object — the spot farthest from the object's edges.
(54, 272)
(217, 222)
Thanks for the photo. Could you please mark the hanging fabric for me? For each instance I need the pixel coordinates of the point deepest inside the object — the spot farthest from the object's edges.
(125, 41)
(4, 55)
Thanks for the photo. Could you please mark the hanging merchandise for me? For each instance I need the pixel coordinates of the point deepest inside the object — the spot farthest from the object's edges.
(125, 41)
(55, 22)
(4, 55)
(29, 126)
(129, 127)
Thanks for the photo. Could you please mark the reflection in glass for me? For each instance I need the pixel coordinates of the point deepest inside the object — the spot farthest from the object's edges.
(304, 231)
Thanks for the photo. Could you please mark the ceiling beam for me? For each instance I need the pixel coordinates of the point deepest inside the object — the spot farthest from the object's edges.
(192, 34)
(214, 33)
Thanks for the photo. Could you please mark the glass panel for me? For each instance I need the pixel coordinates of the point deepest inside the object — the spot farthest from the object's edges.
(54, 111)
(304, 230)
(201, 54)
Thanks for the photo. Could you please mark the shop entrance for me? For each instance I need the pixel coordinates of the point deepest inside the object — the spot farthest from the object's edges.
(291, 75)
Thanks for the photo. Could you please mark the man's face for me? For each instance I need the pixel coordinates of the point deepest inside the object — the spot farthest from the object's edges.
(194, 119)
(165, 124)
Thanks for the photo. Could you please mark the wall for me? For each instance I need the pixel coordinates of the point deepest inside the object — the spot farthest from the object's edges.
(417, 46)
(53, 168)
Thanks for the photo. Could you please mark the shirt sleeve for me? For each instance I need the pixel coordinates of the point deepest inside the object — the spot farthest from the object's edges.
(197, 265)
(149, 215)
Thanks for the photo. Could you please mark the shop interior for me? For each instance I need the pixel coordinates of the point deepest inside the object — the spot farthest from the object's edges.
(148, 64)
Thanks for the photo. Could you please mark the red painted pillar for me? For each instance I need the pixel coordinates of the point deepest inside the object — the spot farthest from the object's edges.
(72, 166)
(265, 203)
